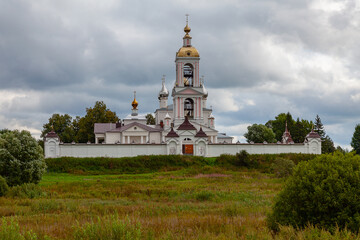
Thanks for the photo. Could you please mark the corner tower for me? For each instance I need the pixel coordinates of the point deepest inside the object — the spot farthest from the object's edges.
(188, 92)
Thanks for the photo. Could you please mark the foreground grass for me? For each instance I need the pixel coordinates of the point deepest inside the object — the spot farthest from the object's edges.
(206, 203)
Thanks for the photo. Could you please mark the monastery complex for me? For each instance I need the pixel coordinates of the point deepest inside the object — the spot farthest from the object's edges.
(183, 124)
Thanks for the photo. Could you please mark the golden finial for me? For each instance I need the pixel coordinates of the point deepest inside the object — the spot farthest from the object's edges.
(187, 29)
(134, 103)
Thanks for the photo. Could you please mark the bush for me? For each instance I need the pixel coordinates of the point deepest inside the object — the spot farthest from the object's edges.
(26, 190)
(11, 231)
(323, 192)
(283, 167)
(245, 159)
(3, 186)
(204, 196)
(21, 158)
(109, 228)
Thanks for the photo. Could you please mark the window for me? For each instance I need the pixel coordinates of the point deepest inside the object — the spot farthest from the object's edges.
(188, 75)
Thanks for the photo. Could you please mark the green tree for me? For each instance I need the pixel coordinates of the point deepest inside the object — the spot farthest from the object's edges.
(150, 119)
(21, 158)
(278, 125)
(98, 114)
(323, 192)
(355, 141)
(319, 127)
(62, 125)
(258, 133)
(327, 145)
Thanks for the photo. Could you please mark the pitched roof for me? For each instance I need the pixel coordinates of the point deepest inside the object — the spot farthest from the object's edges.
(200, 133)
(172, 133)
(103, 127)
(313, 134)
(286, 137)
(51, 134)
(186, 125)
(143, 126)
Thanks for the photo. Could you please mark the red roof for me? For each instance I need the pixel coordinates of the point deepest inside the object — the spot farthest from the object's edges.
(200, 133)
(186, 125)
(286, 137)
(172, 133)
(51, 134)
(313, 134)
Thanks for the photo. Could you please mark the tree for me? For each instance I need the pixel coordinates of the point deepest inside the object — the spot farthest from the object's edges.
(323, 192)
(327, 145)
(21, 158)
(62, 125)
(150, 120)
(259, 133)
(319, 127)
(355, 141)
(98, 114)
(278, 125)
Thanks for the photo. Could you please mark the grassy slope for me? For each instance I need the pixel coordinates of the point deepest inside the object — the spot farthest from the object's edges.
(207, 203)
(181, 204)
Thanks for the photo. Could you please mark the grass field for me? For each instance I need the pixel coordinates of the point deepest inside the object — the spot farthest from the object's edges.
(194, 203)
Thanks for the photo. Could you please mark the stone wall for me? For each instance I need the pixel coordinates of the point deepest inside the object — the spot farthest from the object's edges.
(55, 149)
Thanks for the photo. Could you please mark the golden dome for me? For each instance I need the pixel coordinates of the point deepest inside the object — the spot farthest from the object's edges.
(187, 52)
(134, 104)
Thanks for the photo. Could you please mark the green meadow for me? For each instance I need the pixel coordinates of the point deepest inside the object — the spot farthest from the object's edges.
(202, 202)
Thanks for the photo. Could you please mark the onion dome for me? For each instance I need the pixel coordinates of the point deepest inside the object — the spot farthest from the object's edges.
(134, 103)
(163, 92)
(167, 116)
(205, 91)
(201, 133)
(187, 50)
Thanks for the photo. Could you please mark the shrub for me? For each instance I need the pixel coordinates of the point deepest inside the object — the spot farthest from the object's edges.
(323, 192)
(204, 196)
(109, 228)
(26, 190)
(21, 158)
(11, 231)
(244, 159)
(3, 186)
(283, 167)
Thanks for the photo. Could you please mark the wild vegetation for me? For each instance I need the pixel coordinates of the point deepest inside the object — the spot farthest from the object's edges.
(197, 198)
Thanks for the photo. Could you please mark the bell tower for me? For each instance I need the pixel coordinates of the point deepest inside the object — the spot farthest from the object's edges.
(188, 92)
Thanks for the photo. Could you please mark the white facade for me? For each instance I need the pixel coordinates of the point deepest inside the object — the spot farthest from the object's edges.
(186, 126)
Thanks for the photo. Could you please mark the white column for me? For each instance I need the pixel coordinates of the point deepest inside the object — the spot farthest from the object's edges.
(141, 139)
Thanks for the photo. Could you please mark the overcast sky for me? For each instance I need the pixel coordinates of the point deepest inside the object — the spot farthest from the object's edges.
(259, 58)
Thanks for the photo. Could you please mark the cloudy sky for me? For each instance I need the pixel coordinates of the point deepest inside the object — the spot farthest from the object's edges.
(259, 58)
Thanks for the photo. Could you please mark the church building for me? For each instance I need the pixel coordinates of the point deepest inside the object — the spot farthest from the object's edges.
(185, 123)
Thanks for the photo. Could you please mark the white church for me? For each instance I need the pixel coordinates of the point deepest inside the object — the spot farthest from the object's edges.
(184, 126)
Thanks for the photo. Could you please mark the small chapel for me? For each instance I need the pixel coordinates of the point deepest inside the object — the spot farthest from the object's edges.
(184, 125)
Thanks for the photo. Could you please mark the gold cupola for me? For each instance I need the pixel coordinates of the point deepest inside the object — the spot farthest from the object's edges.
(187, 50)
(134, 103)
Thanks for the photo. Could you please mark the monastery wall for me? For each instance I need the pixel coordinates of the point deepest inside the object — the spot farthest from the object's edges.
(54, 149)
(110, 150)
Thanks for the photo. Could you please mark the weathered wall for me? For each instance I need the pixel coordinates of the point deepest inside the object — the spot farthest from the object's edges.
(54, 149)
(110, 150)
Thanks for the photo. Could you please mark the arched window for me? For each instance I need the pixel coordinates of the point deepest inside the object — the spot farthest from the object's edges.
(189, 108)
(188, 75)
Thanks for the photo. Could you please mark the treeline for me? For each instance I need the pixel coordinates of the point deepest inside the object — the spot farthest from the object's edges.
(273, 131)
(153, 163)
(81, 129)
